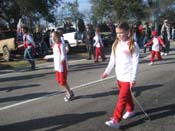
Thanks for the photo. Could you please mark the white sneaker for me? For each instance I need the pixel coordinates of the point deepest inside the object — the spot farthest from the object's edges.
(151, 63)
(162, 53)
(128, 115)
(166, 54)
(113, 123)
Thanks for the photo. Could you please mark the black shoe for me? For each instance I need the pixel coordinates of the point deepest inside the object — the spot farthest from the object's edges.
(104, 59)
(69, 97)
(33, 67)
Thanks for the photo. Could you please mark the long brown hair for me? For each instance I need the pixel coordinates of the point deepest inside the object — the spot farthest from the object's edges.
(56, 36)
(125, 26)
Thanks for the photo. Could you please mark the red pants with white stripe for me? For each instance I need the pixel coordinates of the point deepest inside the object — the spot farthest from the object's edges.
(124, 100)
(99, 51)
(153, 53)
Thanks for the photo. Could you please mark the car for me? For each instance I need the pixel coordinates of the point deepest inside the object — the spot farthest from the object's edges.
(108, 38)
(72, 38)
(8, 44)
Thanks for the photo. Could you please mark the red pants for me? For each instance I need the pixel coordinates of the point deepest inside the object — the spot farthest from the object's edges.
(124, 101)
(99, 51)
(157, 53)
(61, 77)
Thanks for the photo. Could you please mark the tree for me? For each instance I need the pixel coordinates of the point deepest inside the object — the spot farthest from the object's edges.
(72, 9)
(119, 9)
(159, 10)
(9, 13)
(36, 9)
(12, 10)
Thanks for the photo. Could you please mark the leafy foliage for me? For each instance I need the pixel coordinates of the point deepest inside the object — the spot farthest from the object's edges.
(131, 9)
(34, 9)
(119, 9)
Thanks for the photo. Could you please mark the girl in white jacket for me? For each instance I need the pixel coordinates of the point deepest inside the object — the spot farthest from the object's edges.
(125, 58)
(60, 64)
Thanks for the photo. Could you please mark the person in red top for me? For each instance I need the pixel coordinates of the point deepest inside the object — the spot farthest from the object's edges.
(156, 42)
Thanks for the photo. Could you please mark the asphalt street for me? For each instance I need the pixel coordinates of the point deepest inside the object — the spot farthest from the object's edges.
(33, 101)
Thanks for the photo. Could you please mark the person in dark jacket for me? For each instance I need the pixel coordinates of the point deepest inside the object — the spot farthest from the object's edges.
(89, 34)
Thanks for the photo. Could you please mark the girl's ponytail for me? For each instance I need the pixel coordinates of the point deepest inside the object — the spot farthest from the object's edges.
(131, 44)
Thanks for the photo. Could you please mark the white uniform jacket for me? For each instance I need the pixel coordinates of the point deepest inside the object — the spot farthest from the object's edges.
(59, 55)
(98, 41)
(126, 64)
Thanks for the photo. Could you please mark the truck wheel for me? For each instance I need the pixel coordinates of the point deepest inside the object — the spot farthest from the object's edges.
(67, 46)
(6, 54)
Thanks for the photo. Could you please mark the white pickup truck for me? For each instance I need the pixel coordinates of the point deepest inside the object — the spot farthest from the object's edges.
(72, 39)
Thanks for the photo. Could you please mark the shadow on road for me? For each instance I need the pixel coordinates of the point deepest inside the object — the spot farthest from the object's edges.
(137, 91)
(88, 66)
(52, 123)
(24, 77)
(96, 95)
(154, 113)
(26, 97)
(11, 88)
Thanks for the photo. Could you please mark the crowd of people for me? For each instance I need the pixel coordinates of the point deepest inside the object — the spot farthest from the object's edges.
(142, 34)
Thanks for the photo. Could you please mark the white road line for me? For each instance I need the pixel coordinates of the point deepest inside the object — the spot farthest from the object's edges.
(93, 82)
(42, 97)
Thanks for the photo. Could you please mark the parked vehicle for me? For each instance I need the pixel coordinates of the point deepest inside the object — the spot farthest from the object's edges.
(8, 44)
(72, 38)
(107, 38)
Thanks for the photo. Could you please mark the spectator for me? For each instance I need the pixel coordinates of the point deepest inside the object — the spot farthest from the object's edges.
(89, 34)
(67, 26)
(140, 34)
(41, 44)
(146, 36)
(173, 32)
(51, 43)
(165, 33)
(29, 46)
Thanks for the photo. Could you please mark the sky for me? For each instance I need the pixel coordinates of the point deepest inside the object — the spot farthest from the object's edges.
(83, 4)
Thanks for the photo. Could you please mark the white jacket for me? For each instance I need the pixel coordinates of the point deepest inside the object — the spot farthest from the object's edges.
(27, 38)
(126, 65)
(98, 41)
(59, 55)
